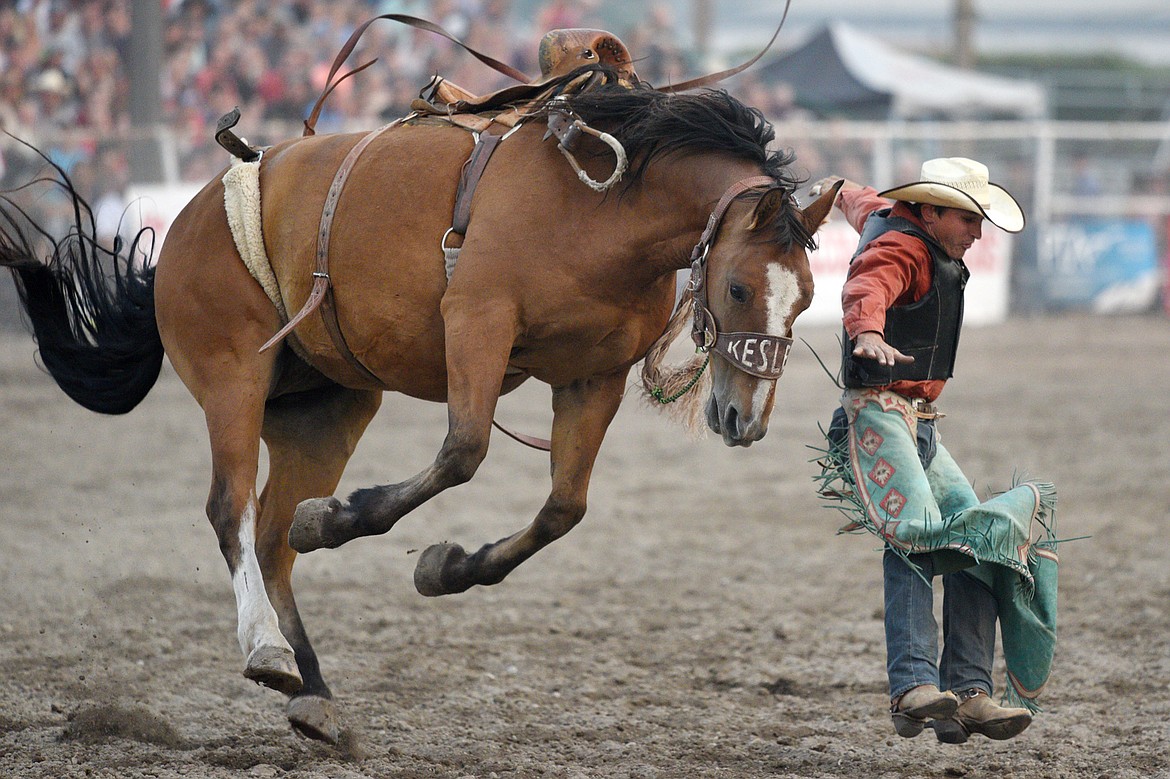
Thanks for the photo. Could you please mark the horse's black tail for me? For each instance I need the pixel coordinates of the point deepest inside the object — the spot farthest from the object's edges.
(91, 308)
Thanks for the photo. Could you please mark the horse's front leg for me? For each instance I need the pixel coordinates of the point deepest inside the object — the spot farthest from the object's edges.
(582, 412)
(478, 343)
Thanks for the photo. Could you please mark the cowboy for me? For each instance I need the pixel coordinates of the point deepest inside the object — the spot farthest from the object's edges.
(903, 311)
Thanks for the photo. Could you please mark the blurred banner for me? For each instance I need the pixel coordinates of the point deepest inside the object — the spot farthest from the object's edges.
(1102, 265)
(986, 299)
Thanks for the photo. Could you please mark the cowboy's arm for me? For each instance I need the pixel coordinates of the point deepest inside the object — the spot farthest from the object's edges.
(879, 278)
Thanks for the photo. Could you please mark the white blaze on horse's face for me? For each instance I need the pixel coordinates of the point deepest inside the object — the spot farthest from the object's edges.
(781, 297)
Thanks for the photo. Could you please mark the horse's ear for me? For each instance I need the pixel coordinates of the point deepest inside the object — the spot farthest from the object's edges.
(818, 210)
(767, 208)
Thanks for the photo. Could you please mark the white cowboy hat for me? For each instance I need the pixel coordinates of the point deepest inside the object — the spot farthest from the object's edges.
(957, 182)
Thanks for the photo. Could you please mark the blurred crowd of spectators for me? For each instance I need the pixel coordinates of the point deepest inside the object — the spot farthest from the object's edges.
(64, 73)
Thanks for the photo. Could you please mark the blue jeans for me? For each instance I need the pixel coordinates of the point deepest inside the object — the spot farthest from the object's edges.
(969, 608)
(969, 616)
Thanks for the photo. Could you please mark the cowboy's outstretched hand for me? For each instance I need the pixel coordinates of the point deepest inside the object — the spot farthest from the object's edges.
(873, 346)
(821, 185)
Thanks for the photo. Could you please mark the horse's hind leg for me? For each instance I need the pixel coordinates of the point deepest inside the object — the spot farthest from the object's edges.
(310, 437)
(582, 412)
(234, 415)
(475, 371)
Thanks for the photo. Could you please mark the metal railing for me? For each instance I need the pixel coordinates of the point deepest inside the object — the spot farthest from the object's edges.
(1058, 170)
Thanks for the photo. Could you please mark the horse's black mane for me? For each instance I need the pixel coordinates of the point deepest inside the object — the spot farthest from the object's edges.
(651, 125)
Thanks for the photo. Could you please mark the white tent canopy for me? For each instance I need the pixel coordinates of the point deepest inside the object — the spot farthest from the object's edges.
(900, 84)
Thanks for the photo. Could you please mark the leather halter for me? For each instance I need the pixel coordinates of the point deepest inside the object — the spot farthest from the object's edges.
(759, 354)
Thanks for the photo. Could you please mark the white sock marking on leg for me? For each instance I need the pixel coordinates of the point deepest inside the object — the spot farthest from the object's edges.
(257, 623)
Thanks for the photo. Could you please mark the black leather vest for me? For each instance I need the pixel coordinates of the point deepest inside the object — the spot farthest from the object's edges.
(927, 329)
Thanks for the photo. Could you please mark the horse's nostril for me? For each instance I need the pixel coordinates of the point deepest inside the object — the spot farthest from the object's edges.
(731, 423)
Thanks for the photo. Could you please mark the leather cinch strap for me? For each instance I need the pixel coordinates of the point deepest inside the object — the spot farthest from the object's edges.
(322, 291)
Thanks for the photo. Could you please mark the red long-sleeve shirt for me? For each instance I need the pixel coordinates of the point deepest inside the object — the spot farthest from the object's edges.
(894, 269)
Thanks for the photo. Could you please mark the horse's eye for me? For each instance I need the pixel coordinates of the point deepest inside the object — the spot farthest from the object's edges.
(588, 54)
(738, 292)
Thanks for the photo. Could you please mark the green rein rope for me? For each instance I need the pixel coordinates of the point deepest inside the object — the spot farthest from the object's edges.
(658, 394)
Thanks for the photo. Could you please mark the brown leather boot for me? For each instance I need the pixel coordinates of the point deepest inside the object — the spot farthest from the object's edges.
(914, 707)
(977, 713)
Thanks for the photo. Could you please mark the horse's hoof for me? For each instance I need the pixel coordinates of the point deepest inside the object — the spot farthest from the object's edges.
(275, 667)
(309, 522)
(428, 573)
(315, 717)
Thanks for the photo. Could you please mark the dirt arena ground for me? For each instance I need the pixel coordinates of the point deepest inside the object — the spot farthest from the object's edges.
(703, 621)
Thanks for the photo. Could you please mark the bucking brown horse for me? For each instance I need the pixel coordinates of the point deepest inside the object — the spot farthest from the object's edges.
(555, 281)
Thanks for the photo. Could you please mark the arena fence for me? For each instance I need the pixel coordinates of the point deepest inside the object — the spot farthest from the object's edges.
(1097, 195)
